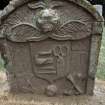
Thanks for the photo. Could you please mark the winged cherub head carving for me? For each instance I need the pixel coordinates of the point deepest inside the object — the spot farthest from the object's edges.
(48, 18)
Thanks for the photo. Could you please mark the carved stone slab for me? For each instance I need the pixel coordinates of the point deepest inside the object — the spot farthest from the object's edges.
(50, 46)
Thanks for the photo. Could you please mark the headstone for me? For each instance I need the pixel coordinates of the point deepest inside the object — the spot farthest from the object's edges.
(50, 47)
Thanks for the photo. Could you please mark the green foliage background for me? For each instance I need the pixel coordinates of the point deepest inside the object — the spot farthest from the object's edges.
(101, 65)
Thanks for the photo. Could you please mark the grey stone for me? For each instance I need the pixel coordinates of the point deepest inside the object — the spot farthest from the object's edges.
(50, 47)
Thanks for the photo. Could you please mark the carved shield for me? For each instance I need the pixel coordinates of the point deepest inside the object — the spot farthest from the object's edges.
(50, 59)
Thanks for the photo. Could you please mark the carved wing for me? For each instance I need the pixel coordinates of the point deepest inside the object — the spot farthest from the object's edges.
(23, 32)
(72, 30)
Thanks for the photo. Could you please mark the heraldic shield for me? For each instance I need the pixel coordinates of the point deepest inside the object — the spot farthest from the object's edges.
(50, 59)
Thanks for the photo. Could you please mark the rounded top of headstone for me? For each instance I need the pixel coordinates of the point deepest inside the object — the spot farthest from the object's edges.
(83, 3)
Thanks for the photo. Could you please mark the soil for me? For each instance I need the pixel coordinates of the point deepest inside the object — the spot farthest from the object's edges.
(30, 99)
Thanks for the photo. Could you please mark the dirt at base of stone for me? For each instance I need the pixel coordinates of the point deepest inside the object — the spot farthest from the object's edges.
(31, 99)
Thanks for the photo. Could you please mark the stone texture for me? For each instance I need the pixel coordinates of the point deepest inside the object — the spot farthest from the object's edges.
(51, 47)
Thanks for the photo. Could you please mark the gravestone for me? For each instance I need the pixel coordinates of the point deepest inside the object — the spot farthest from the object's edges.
(50, 47)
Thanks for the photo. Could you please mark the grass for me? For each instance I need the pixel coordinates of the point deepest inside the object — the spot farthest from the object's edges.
(101, 66)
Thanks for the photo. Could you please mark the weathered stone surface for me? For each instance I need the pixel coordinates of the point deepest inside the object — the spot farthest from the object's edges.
(51, 47)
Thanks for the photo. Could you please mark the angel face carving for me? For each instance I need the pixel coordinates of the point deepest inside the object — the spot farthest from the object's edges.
(48, 20)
